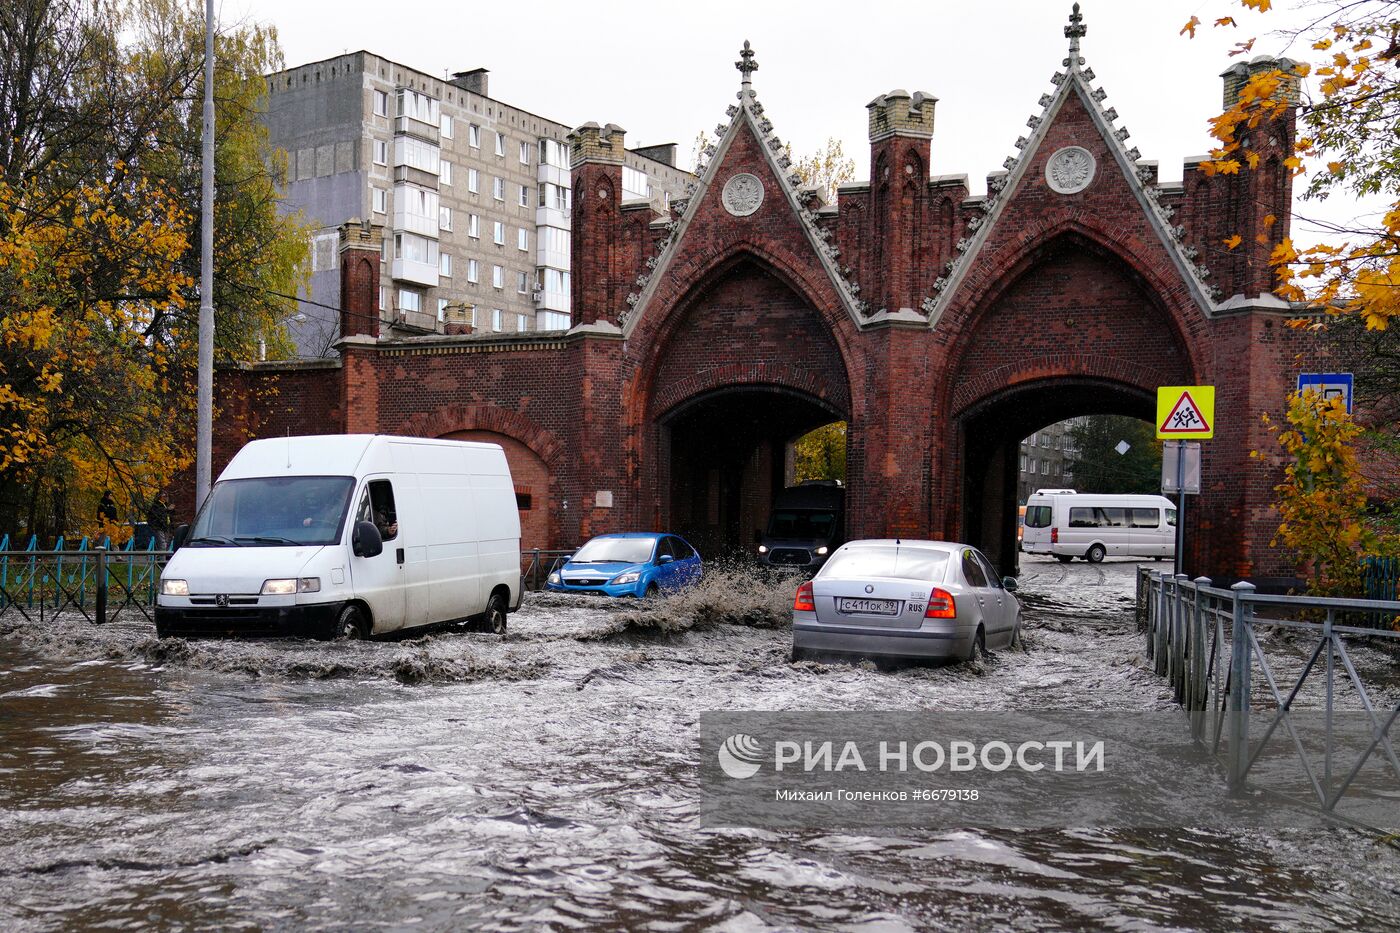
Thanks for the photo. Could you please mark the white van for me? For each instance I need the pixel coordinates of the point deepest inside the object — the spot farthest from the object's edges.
(348, 536)
(1093, 527)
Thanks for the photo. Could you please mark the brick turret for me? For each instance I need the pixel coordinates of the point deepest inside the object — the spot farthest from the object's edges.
(361, 243)
(1254, 195)
(901, 130)
(596, 157)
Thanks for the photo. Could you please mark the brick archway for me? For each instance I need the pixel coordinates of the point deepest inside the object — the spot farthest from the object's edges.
(532, 452)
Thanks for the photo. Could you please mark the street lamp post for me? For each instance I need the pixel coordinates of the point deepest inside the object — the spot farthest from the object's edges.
(204, 429)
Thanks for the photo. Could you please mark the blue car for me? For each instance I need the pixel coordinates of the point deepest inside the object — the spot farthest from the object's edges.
(635, 564)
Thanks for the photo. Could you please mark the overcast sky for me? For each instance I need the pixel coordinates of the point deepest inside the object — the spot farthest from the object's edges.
(664, 70)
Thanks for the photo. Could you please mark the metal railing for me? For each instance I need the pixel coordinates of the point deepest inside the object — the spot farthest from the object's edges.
(95, 582)
(536, 565)
(1206, 641)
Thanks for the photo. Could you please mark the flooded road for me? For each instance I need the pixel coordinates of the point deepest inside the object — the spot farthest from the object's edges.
(547, 780)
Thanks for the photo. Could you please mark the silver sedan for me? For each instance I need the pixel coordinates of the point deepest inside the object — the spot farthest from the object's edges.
(905, 599)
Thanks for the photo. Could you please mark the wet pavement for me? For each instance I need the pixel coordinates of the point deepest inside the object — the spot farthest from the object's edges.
(547, 780)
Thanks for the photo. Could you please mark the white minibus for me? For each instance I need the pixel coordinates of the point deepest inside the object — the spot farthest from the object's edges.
(348, 536)
(1070, 525)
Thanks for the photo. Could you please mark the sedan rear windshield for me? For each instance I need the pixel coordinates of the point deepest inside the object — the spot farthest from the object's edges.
(907, 562)
(615, 550)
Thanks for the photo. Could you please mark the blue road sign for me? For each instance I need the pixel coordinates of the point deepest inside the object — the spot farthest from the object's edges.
(1329, 385)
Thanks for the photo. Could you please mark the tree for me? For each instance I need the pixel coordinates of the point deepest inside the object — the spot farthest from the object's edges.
(826, 169)
(99, 136)
(821, 454)
(1348, 142)
(1096, 464)
(1322, 500)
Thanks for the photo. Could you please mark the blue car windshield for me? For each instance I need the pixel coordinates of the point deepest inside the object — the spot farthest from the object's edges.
(615, 550)
(273, 511)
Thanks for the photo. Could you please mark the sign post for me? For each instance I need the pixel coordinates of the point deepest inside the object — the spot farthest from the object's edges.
(1183, 413)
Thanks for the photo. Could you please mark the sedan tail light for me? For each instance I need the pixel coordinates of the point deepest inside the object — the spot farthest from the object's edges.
(803, 602)
(941, 605)
(1054, 536)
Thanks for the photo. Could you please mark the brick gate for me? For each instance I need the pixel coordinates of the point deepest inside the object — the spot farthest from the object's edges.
(943, 326)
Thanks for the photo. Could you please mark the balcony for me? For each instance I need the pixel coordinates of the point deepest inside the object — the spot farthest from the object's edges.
(553, 217)
(420, 273)
(408, 175)
(407, 126)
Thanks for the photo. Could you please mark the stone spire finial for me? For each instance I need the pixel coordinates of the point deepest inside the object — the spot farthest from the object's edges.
(746, 65)
(1075, 31)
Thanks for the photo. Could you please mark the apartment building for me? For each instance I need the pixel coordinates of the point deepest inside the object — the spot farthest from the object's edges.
(1044, 460)
(474, 195)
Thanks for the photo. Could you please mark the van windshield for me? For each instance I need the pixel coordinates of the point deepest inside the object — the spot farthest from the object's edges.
(801, 523)
(273, 511)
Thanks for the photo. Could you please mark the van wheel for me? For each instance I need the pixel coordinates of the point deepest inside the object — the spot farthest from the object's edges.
(1095, 554)
(351, 624)
(493, 619)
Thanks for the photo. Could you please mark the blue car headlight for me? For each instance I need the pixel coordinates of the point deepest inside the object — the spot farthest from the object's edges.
(631, 576)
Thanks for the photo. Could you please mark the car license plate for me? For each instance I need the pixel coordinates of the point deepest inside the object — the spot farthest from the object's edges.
(873, 607)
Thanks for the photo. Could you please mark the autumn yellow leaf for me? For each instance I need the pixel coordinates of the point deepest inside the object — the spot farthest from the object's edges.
(1190, 26)
(1232, 241)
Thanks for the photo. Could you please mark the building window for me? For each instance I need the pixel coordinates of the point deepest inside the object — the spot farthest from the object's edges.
(525, 153)
(473, 226)
(473, 180)
(472, 271)
(445, 172)
(496, 319)
(553, 152)
(381, 200)
(500, 150)
(500, 233)
(522, 282)
(381, 152)
(1023, 463)
(383, 298)
(520, 324)
(562, 197)
(498, 277)
(446, 126)
(498, 188)
(1045, 468)
(1034, 466)
(524, 195)
(444, 218)
(442, 309)
(410, 300)
(473, 136)
(445, 265)
(522, 239)
(381, 103)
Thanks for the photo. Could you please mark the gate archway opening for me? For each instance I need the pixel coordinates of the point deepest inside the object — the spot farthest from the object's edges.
(726, 454)
(992, 432)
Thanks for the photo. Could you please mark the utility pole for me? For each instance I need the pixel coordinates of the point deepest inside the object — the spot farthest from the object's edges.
(204, 429)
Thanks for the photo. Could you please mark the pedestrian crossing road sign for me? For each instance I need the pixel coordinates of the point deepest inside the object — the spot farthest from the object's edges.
(1186, 412)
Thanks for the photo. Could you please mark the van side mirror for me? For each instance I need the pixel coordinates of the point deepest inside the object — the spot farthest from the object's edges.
(178, 541)
(664, 559)
(366, 541)
(1009, 583)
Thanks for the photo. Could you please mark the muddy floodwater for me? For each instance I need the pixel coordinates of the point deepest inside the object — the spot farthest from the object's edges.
(548, 780)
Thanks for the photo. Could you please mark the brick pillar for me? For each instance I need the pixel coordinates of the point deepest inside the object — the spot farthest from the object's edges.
(901, 130)
(596, 157)
(1267, 189)
(360, 246)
